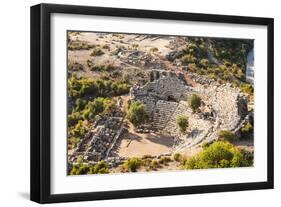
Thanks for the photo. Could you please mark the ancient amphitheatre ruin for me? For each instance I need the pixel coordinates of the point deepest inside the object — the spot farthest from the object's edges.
(164, 87)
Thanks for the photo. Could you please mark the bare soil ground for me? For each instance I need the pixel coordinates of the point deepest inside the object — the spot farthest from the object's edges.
(133, 144)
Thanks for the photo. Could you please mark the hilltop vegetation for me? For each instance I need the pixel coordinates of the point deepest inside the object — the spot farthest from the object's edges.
(220, 154)
(223, 60)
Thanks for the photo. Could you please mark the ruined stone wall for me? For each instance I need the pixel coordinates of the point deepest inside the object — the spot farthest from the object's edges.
(97, 143)
(169, 88)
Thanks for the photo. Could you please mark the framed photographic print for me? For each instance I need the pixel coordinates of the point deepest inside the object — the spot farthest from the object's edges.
(132, 103)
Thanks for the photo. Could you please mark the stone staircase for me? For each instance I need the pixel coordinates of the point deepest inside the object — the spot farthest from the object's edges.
(162, 113)
(171, 126)
(149, 102)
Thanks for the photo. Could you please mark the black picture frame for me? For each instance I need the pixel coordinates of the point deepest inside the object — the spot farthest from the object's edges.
(41, 96)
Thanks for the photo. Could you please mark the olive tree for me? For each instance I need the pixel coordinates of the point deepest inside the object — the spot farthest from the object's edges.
(182, 122)
(137, 113)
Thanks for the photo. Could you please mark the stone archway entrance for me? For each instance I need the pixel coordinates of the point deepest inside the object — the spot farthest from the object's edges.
(171, 98)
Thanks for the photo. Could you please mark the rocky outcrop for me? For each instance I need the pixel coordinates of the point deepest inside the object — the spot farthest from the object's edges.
(171, 56)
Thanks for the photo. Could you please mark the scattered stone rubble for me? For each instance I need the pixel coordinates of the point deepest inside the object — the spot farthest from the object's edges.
(140, 59)
(98, 143)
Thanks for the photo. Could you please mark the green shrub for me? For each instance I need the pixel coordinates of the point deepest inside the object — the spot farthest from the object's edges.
(154, 164)
(132, 164)
(194, 102)
(248, 157)
(247, 88)
(247, 130)
(79, 169)
(78, 130)
(82, 169)
(119, 88)
(106, 47)
(226, 135)
(182, 122)
(97, 52)
(137, 113)
(73, 118)
(204, 63)
(87, 111)
(103, 68)
(147, 157)
(192, 163)
(135, 46)
(99, 106)
(177, 157)
(79, 45)
(213, 76)
(220, 154)
(80, 87)
(206, 144)
(186, 59)
(153, 49)
(241, 76)
(73, 141)
(164, 160)
(192, 67)
(99, 168)
(223, 68)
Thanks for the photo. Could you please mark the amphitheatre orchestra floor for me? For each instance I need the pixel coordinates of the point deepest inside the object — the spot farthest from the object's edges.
(137, 144)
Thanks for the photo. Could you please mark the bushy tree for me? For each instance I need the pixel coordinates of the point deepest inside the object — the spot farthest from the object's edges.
(78, 87)
(82, 169)
(97, 52)
(194, 102)
(81, 87)
(219, 154)
(137, 113)
(78, 130)
(99, 106)
(73, 118)
(77, 119)
(182, 122)
(132, 164)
